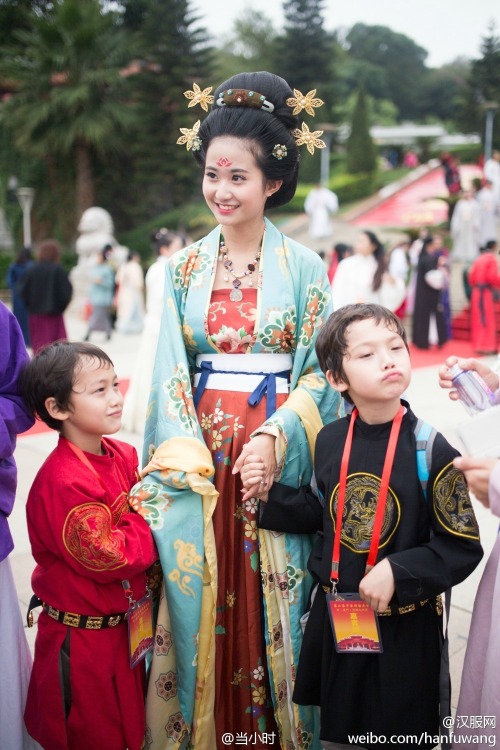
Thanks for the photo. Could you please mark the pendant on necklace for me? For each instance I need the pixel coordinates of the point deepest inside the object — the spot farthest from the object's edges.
(236, 295)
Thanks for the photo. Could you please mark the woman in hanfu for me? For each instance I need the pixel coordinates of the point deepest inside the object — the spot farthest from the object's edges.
(235, 373)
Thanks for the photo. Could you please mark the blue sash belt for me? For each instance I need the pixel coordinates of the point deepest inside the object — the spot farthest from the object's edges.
(266, 386)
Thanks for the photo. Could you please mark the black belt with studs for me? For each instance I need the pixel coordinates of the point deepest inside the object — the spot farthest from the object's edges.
(87, 622)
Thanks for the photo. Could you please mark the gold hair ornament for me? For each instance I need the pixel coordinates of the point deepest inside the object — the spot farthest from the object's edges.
(203, 98)
(244, 98)
(190, 137)
(308, 138)
(307, 102)
(279, 151)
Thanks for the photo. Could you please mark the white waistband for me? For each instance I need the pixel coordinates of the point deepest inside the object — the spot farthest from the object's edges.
(244, 363)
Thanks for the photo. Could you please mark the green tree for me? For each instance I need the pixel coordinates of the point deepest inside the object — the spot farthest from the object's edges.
(442, 90)
(305, 36)
(249, 46)
(400, 59)
(361, 152)
(484, 86)
(69, 107)
(174, 54)
(16, 14)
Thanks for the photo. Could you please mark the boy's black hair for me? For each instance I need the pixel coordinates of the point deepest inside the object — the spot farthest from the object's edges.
(331, 344)
(52, 373)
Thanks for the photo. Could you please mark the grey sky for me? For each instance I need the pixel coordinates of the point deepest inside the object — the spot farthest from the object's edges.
(445, 28)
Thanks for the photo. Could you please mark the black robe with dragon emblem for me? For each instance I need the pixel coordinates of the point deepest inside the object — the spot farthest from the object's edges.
(432, 544)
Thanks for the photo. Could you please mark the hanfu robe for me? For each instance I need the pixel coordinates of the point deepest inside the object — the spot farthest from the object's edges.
(484, 279)
(15, 657)
(431, 543)
(228, 632)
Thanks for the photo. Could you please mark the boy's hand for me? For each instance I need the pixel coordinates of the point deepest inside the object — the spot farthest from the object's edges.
(377, 587)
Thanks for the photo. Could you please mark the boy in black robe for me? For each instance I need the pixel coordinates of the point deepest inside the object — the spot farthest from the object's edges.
(429, 541)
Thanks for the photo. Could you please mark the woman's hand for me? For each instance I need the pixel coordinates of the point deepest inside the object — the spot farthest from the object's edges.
(489, 376)
(477, 473)
(261, 446)
(252, 477)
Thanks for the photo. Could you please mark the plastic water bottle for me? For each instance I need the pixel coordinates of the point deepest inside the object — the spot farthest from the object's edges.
(473, 392)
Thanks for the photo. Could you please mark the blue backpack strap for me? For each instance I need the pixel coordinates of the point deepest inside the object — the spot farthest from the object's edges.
(424, 436)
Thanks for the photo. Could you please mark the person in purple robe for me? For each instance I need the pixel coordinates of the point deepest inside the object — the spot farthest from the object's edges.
(479, 698)
(15, 657)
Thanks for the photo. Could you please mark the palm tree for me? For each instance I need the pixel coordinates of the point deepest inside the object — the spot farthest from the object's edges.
(69, 104)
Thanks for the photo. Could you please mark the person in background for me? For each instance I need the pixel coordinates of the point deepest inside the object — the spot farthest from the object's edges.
(484, 281)
(165, 244)
(465, 228)
(46, 292)
(15, 657)
(410, 160)
(413, 255)
(452, 180)
(320, 204)
(91, 552)
(235, 373)
(429, 322)
(489, 213)
(444, 263)
(338, 252)
(363, 277)
(492, 174)
(101, 292)
(399, 267)
(15, 273)
(480, 687)
(130, 295)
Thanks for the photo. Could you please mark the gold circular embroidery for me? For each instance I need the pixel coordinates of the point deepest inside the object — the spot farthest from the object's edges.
(90, 538)
(362, 492)
(452, 503)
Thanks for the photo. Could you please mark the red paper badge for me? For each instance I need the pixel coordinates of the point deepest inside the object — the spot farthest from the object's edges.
(354, 625)
(140, 629)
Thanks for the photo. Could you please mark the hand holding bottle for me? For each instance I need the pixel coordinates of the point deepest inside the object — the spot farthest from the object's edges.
(489, 377)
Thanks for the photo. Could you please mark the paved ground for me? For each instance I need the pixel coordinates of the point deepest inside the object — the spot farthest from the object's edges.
(425, 396)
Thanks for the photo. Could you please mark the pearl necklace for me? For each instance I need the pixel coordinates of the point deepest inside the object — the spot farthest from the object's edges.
(236, 294)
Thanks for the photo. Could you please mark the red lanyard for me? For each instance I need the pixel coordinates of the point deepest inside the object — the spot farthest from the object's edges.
(384, 487)
(83, 458)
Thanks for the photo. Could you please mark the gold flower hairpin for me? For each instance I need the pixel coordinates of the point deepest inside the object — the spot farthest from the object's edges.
(190, 137)
(203, 98)
(307, 102)
(308, 138)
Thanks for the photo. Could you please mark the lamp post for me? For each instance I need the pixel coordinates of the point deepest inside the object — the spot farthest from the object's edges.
(25, 197)
(491, 108)
(328, 131)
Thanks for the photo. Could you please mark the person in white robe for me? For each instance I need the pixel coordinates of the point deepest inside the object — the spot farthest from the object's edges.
(320, 204)
(363, 277)
(489, 214)
(465, 225)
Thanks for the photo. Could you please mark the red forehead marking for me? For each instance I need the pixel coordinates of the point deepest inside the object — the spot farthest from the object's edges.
(223, 162)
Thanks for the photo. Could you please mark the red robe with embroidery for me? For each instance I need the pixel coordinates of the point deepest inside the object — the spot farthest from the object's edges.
(484, 279)
(86, 541)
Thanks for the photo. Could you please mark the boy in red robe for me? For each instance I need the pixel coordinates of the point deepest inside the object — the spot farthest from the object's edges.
(89, 547)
